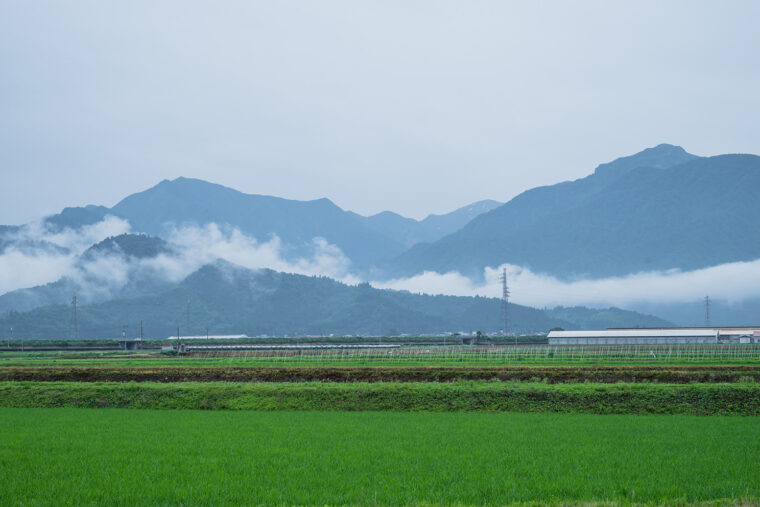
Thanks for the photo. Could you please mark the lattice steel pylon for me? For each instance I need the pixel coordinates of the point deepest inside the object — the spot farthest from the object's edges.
(505, 300)
(707, 311)
(73, 324)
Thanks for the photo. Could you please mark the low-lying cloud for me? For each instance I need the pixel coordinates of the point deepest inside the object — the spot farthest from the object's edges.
(731, 282)
(38, 255)
(199, 245)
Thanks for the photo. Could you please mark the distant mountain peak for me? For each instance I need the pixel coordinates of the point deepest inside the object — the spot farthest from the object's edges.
(74, 217)
(662, 156)
(130, 245)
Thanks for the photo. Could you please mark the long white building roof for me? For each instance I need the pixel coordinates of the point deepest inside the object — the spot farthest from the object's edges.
(647, 333)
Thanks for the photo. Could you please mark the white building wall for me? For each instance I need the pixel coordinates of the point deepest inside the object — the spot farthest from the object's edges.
(664, 336)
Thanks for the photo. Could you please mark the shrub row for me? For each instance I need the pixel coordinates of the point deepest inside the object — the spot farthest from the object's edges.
(550, 374)
(697, 399)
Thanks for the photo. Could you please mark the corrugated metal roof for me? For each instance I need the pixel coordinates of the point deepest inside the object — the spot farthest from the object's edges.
(722, 328)
(633, 333)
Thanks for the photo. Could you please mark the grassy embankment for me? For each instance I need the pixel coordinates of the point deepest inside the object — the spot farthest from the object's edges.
(143, 457)
(645, 398)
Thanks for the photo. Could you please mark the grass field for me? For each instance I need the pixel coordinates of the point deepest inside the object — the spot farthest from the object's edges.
(410, 356)
(144, 457)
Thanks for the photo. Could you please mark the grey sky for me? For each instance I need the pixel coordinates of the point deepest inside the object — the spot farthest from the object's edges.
(416, 107)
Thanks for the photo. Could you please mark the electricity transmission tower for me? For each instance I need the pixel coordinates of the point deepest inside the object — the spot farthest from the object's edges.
(73, 325)
(707, 311)
(505, 300)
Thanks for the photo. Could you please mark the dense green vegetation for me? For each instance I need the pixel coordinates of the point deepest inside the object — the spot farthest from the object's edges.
(141, 457)
(699, 399)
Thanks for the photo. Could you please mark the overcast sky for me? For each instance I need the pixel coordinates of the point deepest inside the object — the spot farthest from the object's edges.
(416, 107)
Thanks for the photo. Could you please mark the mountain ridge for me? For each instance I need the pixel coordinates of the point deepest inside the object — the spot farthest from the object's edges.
(585, 228)
(173, 204)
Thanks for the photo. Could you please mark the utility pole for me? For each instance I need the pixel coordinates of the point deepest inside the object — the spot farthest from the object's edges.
(187, 323)
(707, 311)
(10, 338)
(505, 301)
(73, 325)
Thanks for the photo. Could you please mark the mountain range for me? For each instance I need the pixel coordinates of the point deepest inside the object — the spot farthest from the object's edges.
(658, 210)
(366, 241)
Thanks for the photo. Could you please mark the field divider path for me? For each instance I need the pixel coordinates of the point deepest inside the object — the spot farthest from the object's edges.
(546, 374)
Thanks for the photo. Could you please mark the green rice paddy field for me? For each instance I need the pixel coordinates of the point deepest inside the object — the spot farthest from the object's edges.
(418, 426)
(68, 456)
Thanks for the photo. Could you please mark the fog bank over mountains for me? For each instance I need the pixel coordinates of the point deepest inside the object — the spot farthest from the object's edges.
(653, 231)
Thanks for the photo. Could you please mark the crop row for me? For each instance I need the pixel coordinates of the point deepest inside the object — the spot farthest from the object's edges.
(549, 374)
(695, 399)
